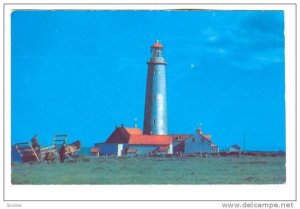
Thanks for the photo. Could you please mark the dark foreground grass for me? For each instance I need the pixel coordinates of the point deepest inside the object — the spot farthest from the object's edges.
(210, 170)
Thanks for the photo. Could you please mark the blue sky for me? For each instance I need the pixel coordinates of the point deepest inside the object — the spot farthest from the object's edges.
(84, 72)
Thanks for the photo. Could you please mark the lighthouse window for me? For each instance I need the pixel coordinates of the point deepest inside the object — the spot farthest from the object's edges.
(158, 53)
(153, 53)
(154, 122)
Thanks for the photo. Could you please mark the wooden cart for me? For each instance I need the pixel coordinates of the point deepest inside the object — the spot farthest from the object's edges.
(29, 154)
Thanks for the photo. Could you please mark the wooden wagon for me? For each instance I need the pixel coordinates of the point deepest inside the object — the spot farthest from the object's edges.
(30, 154)
(59, 149)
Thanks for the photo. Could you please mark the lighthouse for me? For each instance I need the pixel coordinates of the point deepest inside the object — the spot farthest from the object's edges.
(155, 117)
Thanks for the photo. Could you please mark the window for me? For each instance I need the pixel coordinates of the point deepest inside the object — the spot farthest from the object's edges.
(158, 54)
(193, 140)
(154, 121)
(153, 53)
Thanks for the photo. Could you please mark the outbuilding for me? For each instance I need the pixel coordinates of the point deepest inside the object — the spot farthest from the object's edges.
(234, 149)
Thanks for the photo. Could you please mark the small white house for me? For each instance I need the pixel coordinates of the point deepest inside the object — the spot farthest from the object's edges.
(234, 148)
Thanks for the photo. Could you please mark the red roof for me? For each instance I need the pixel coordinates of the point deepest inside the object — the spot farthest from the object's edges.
(150, 139)
(118, 136)
(134, 131)
(135, 136)
(157, 45)
(121, 135)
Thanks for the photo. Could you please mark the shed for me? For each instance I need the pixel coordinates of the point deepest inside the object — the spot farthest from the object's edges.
(95, 151)
(234, 148)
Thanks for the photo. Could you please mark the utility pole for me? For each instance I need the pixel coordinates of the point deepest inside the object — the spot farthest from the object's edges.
(244, 142)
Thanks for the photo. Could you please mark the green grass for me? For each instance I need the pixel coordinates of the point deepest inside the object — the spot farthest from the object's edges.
(210, 170)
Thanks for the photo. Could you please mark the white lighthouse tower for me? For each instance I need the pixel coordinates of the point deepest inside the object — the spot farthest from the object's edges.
(155, 117)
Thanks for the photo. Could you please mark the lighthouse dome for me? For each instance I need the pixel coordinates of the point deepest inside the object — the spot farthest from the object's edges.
(157, 45)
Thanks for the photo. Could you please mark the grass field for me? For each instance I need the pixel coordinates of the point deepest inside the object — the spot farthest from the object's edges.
(210, 170)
